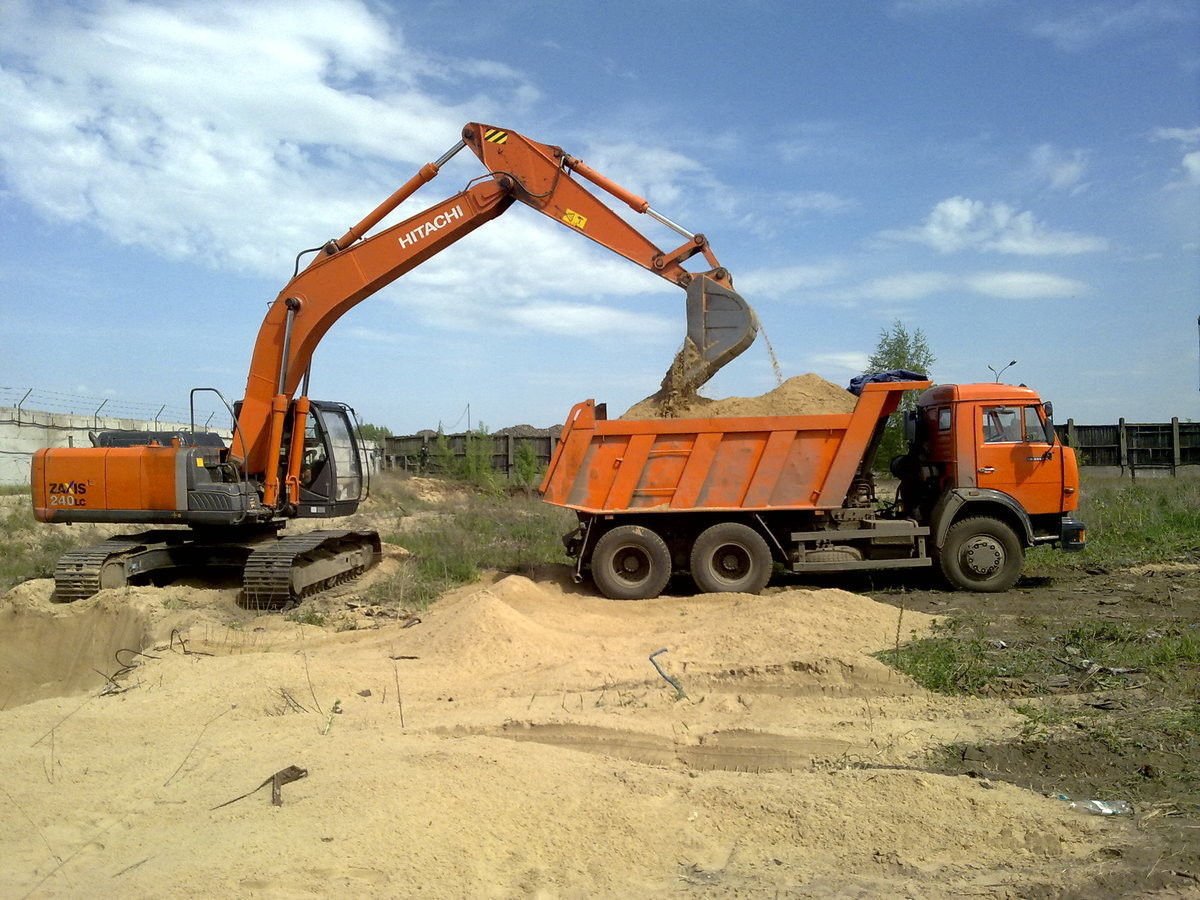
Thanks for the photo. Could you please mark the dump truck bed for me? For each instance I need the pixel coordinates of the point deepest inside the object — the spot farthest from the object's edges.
(738, 463)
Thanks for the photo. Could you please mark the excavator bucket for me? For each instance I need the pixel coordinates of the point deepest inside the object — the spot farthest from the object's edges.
(720, 325)
(719, 322)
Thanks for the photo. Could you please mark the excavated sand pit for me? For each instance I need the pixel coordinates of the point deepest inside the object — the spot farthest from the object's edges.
(516, 741)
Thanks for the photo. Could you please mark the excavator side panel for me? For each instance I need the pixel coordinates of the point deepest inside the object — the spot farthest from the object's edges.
(110, 484)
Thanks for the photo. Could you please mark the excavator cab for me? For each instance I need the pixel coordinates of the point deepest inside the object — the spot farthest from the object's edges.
(331, 472)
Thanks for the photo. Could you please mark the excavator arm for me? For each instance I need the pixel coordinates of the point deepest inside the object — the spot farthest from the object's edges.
(352, 267)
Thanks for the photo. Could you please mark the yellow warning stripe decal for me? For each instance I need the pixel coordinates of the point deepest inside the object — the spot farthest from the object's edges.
(495, 136)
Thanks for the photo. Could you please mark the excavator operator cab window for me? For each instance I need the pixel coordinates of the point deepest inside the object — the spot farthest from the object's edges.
(344, 449)
(331, 470)
(316, 456)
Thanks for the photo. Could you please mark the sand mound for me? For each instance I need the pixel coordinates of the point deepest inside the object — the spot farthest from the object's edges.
(516, 741)
(800, 395)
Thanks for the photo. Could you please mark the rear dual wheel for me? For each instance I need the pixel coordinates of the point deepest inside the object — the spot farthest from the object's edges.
(631, 562)
(730, 557)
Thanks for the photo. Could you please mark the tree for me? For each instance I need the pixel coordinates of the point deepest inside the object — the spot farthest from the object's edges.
(371, 432)
(898, 349)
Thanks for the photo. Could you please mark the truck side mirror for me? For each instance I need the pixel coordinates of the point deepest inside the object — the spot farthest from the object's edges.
(1049, 421)
(910, 424)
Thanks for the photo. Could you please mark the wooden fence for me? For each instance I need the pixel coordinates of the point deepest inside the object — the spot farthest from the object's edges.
(1156, 448)
(1161, 447)
(419, 453)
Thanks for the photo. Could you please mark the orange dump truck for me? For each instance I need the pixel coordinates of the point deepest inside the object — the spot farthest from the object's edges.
(729, 498)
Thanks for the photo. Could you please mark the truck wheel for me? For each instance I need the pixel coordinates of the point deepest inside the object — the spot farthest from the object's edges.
(731, 557)
(631, 562)
(981, 554)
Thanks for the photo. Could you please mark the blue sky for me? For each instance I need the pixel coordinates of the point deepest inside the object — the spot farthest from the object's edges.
(1017, 180)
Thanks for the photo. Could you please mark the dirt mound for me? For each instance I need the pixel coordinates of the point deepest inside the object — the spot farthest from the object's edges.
(516, 740)
(800, 395)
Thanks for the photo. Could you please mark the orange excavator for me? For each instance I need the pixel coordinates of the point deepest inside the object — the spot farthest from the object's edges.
(292, 457)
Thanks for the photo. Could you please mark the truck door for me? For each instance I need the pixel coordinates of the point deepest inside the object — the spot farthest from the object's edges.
(1012, 456)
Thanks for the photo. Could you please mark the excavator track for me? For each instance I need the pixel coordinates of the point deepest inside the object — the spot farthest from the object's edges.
(80, 573)
(278, 575)
(277, 572)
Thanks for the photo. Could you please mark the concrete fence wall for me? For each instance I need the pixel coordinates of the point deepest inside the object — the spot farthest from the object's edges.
(22, 431)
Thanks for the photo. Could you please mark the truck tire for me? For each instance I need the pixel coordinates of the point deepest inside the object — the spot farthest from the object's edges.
(981, 554)
(731, 558)
(631, 562)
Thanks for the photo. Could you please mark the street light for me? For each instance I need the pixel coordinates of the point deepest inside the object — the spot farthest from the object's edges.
(1002, 371)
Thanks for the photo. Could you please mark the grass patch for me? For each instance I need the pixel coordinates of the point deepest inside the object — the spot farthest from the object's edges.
(1131, 522)
(30, 550)
(474, 532)
(961, 657)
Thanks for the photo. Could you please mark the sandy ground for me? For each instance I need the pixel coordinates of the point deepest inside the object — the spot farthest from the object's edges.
(515, 740)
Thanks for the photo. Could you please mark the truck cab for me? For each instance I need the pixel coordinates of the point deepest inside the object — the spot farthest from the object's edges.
(989, 453)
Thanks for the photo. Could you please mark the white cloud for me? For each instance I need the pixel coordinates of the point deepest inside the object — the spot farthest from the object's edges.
(1191, 168)
(830, 284)
(909, 285)
(1190, 162)
(240, 139)
(815, 201)
(237, 138)
(959, 223)
(1100, 20)
(1024, 285)
(850, 362)
(1058, 170)
(1007, 285)
(786, 282)
(1187, 136)
(579, 320)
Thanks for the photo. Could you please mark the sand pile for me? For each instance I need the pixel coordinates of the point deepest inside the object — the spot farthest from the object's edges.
(800, 395)
(517, 741)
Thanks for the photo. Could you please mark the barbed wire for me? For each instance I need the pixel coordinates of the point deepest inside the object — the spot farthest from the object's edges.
(44, 400)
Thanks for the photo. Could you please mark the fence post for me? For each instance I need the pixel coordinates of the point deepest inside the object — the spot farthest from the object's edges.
(1122, 442)
(1176, 449)
(23, 399)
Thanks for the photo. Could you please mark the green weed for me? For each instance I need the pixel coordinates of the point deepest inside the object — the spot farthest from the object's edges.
(29, 550)
(1131, 522)
(477, 532)
(308, 617)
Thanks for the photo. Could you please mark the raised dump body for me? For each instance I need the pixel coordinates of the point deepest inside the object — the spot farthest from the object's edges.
(745, 463)
(727, 499)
